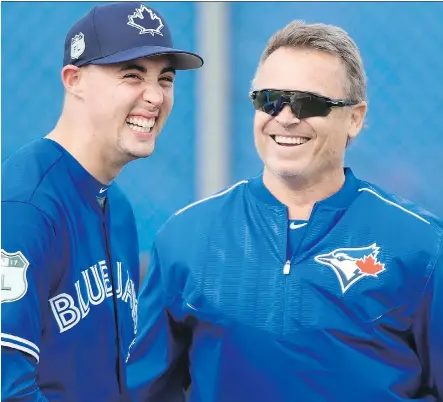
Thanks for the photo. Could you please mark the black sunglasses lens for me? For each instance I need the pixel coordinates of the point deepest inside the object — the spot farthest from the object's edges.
(304, 106)
(266, 101)
(309, 106)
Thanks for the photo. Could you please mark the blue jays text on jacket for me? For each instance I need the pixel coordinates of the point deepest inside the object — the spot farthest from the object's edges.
(357, 317)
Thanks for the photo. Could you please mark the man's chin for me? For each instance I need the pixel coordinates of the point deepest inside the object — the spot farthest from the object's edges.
(285, 172)
(140, 154)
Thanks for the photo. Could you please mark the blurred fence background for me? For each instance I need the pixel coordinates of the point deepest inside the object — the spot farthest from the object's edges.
(207, 143)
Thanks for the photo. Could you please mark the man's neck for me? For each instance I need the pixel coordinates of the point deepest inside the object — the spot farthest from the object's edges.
(299, 193)
(86, 151)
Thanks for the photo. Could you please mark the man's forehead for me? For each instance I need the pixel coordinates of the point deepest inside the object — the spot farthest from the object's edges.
(301, 69)
(159, 62)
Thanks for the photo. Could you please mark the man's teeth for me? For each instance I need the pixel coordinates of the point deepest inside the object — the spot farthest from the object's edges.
(280, 139)
(140, 124)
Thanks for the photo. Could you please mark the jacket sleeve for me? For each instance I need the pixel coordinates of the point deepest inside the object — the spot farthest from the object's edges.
(158, 362)
(25, 267)
(19, 378)
(428, 331)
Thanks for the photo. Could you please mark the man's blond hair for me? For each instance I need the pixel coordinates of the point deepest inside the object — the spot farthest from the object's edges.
(327, 38)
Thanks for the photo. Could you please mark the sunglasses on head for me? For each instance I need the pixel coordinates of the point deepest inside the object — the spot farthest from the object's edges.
(303, 104)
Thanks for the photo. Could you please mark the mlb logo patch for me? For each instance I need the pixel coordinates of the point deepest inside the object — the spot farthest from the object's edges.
(78, 46)
(353, 264)
(13, 276)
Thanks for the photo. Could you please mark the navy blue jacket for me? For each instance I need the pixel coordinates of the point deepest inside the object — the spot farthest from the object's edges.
(70, 274)
(355, 314)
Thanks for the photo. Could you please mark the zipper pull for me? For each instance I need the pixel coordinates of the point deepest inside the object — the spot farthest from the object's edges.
(287, 267)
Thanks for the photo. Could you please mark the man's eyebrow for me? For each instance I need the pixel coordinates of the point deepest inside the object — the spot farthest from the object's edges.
(168, 69)
(133, 66)
(138, 67)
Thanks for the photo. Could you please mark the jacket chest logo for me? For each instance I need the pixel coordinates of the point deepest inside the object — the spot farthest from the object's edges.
(353, 264)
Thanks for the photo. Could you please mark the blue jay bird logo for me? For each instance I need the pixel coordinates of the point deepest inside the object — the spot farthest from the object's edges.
(352, 264)
(146, 21)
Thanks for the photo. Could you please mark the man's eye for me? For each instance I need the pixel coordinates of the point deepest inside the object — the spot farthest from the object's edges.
(169, 79)
(132, 76)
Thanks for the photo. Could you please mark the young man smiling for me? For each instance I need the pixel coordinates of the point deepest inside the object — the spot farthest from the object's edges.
(70, 267)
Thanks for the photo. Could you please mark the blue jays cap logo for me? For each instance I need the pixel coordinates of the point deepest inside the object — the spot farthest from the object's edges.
(352, 264)
(146, 21)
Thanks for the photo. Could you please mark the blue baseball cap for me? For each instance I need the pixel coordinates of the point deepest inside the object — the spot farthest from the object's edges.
(119, 32)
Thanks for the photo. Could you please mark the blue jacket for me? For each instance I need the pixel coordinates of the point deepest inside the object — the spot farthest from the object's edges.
(356, 317)
(70, 274)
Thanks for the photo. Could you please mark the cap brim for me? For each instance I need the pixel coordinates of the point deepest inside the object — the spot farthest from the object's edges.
(181, 60)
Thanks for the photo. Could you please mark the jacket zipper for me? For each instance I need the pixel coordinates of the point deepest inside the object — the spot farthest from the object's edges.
(286, 271)
(115, 302)
(287, 267)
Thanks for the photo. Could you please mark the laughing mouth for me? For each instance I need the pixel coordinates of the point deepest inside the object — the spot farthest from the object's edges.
(140, 124)
(289, 141)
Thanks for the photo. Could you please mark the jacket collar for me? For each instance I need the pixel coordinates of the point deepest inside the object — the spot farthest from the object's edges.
(341, 199)
(87, 185)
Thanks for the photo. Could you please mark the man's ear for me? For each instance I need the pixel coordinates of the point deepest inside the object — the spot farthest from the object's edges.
(71, 78)
(358, 114)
